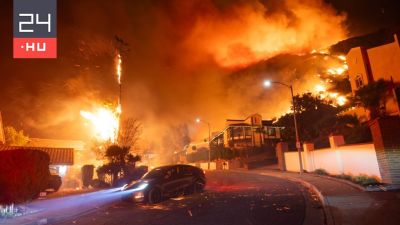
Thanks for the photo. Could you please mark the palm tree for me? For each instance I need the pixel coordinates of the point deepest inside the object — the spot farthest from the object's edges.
(372, 97)
(120, 162)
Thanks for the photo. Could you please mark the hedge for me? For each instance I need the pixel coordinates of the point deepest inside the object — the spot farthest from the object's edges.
(23, 175)
(87, 175)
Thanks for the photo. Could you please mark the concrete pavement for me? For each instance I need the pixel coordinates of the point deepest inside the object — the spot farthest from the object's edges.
(346, 204)
(230, 198)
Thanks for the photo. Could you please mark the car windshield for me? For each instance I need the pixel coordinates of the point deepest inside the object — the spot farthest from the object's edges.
(155, 173)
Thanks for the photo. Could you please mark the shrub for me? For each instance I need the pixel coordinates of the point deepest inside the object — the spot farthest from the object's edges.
(24, 174)
(54, 182)
(96, 183)
(224, 153)
(344, 177)
(321, 172)
(101, 173)
(87, 175)
(365, 180)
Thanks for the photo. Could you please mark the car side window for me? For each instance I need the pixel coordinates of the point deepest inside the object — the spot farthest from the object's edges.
(171, 174)
(168, 174)
(187, 171)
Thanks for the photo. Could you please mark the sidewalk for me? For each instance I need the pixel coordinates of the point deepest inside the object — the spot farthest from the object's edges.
(346, 204)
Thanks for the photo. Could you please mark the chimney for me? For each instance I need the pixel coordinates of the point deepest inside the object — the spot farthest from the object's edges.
(2, 137)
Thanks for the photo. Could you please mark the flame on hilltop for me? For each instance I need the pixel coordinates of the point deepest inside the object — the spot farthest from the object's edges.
(104, 121)
(340, 68)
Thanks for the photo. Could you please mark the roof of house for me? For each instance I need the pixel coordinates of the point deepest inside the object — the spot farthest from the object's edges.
(58, 156)
(55, 143)
(239, 125)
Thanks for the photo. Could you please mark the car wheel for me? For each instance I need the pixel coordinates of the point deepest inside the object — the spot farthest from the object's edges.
(154, 196)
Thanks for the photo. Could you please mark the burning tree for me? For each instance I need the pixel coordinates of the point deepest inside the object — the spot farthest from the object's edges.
(104, 121)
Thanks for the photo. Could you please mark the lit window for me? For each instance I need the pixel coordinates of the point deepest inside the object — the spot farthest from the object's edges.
(62, 170)
(271, 131)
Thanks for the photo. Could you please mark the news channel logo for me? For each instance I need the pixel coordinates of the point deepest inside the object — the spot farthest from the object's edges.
(35, 29)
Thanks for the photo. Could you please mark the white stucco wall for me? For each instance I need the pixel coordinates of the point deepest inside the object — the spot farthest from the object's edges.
(357, 159)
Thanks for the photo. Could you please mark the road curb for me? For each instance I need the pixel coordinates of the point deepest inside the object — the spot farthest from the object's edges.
(324, 201)
(329, 219)
(356, 186)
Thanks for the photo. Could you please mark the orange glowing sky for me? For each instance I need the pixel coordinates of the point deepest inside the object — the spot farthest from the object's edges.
(183, 61)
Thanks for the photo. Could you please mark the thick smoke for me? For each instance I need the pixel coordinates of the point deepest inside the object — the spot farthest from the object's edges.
(183, 62)
(245, 33)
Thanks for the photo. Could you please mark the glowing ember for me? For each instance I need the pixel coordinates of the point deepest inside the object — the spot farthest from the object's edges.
(105, 122)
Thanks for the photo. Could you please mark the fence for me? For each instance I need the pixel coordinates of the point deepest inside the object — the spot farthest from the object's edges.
(359, 159)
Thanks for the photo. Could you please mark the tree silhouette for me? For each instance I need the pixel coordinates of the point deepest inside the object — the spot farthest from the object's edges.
(14, 137)
(129, 132)
(373, 97)
(121, 163)
(317, 119)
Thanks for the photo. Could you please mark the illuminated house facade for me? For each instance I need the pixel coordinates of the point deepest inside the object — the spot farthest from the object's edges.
(251, 132)
(370, 64)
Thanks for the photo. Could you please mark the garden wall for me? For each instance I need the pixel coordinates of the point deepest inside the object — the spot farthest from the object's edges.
(359, 159)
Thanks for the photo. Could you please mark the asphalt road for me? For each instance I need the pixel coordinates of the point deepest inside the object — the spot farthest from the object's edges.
(230, 198)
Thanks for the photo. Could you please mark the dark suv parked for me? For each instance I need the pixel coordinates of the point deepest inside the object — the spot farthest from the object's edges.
(164, 182)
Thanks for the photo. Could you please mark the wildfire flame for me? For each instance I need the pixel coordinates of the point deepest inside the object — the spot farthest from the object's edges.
(105, 123)
(336, 98)
(105, 120)
(340, 68)
(119, 70)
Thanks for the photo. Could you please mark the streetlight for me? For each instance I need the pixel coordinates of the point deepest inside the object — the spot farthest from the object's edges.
(198, 120)
(268, 83)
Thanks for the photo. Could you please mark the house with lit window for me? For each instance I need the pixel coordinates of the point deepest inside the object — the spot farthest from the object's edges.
(251, 132)
(380, 62)
(241, 134)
